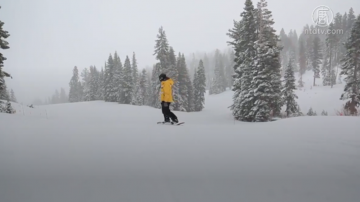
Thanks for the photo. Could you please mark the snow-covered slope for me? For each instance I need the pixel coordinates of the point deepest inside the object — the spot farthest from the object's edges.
(319, 97)
(97, 151)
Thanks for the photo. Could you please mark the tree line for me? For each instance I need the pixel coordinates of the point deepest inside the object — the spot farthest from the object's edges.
(123, 83)
(4, 93)
(263, 58)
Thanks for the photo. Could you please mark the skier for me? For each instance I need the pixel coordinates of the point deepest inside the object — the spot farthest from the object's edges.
(166, 98)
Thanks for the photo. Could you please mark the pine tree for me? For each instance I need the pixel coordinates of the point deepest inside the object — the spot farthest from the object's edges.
(75, 87)
(288, 90)
(243, 37)
(351, 69)
(118, 80)
(219, 81)
(311, 112)
(309, 47)
(351, 20)
(266, 81)
(127, 84)
(207, 69)
(199, 87)
(141, 95)
(328, 72)
(100, 92)
(154, 90)
(324, 113)
(173, 73)
(85, 75)
(162, 50)
(134, 69)
(182, 104)
(3, 45)
(316, 58)
(93, 83)
(4, 93)
(302, 60)
(111, 79)
(136, 98)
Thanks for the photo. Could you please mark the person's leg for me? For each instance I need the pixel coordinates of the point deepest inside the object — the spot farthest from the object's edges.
(165, 111)
(172, 115)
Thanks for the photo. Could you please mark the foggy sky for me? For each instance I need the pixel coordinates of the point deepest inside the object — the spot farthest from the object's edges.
(49, 37)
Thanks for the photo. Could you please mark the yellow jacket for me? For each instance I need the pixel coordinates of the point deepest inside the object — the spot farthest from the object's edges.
(166, 90)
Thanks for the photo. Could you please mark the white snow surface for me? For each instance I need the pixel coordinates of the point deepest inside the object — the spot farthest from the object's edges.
(97, 151)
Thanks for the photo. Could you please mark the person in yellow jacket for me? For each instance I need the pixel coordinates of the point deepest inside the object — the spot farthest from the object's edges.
(167, 98)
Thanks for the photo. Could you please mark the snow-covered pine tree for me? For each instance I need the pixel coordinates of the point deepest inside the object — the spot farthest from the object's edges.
(172, 72)
(4, 93)
(243, 36)
(328, 72)
(136, 98)
(190, 88)
(134, 69)
(199, 87)
(100, 93)
(93, 83)
(288, 90)
(162, 50)
(311, 112)
(309, 47)
(154, 90)
(266, 81)
(351, 20)
(12, 96)
(219, 81)
(75, 87)
(85, 75)
(108, 77)
(207, 69)
(324, 113)
(127, 83)
(141, 95)
(351, 69)
(118, 80)
(3, 45)
(316, 57)
(182, 104)
(302, 59)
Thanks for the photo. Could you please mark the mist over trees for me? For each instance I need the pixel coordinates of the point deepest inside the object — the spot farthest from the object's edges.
(260, 66)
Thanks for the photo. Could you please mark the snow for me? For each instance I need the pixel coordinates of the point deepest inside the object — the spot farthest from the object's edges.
(99, 151)
(319, 97)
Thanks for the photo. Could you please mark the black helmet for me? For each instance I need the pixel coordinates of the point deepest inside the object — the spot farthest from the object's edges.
(162, 77)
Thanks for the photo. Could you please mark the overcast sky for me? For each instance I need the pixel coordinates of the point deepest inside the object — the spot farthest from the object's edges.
(49, 37)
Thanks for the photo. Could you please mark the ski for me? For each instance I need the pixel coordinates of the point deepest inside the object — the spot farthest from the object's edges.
(171, 123)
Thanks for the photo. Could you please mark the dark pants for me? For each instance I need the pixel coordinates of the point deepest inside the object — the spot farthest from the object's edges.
(165, 107)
